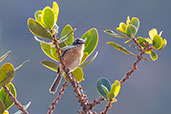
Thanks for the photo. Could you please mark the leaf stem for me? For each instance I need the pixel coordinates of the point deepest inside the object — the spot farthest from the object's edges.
(58, 97)
(17, 103)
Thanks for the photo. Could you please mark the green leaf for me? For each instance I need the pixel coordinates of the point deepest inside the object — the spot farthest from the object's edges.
(157, 42)
(25, 108)
(48, 17)
(50, 65)
(5, 98)
(112, 33)
(2, 107)
(78, 74)
(56, 10)
(92, 40)
(89, 61)
(105, 89)
(4, 56)
(152, 33)
(37, 29)
(103, 81)
(135, 21)
(66, 30)
(163, 44)
(37, 16)
(84, 57)
(115, 88)
(153, 55)
(141, 41)
(120, 48)
(49, 51)
(127, 41)
(110, 96)
(6, 74)
(131, 31)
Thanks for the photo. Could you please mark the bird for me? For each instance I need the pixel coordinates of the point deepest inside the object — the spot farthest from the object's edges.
(71, 58)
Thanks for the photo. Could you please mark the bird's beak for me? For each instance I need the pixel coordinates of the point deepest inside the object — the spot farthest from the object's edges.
(84, 40)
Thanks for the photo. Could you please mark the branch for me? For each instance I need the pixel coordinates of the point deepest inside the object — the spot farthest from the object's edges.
(56, 100)
(17, 103)
(82, 97)
(108, 106)
(95, 102)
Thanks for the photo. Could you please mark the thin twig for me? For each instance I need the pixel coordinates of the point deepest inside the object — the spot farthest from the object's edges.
(134, 66)
(95, 102)
(56, 100)
(17, 103)
(108, 106)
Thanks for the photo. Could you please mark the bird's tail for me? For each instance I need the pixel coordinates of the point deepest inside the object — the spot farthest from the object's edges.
(55, 84)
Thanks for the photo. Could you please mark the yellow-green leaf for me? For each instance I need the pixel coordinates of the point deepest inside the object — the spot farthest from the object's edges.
(38, 30)
(152, 33)
(135, 21)
(157, 42)
(37, 16)
(131, 30)
(92, 40)
(2, 107)
(84, 57)
(66, 30)
(4, 56)
(78, 74)
(56, 10)
(6, 74)
(115, 88)
(50, 65)
(6, 112)
(112, 33)
(89, 61)
(49, 51)
(120, 48)
(48, 17)
(153, 55)
(5, 98)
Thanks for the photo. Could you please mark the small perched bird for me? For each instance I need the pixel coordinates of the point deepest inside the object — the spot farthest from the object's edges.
(71, 58)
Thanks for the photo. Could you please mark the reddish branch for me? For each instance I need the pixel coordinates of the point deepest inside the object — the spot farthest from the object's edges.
(108, 106)
(17, 103)
(56, 100)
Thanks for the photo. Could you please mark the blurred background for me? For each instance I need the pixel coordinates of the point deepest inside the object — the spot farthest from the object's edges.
(147, 92)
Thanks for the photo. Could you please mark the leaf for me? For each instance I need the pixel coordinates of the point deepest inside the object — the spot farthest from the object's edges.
(127, 41)
(152, 33)
(4, 56)
(112, 33)
(78, 74)
(6, 112)
(26, 61)
(153, 55)
(103, 81)
(37, 16)
(135, 21)
(2, 107)
(56, 10)
(157, 42)
(5, 98)
(37, 29)
(84, 57)
(92, 40)
(163, 44)
(50, 65)
(110, 96)
(131, 31)
(48, 50)
(120, 48)
(141, 41)
(66, 30)
(128, 20)
(48, 17)
(25, 108)
(6, 74)
(89, 61)
(105, 89)
(115, 88)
